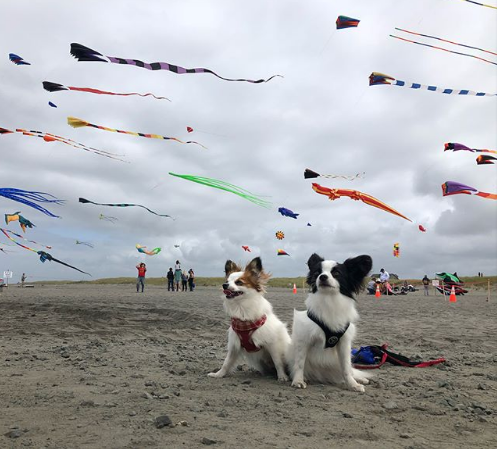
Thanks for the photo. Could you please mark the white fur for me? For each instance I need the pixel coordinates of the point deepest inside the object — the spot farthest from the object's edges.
(308, 358)
(272, 337)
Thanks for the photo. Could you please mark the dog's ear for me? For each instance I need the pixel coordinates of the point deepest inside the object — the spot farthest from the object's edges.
(254, 266)
(231, 267)
(314, 260)
(357, 269)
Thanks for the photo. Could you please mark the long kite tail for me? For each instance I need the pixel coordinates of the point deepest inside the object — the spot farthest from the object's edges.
(21, 237)
(16, 242)
(79, 123)
(379, 78)
(227, 187)
(444, 49)
(84, 201)
(55, 87)
(82, 53)
(45, 256)
(480, 4)
(31, 198)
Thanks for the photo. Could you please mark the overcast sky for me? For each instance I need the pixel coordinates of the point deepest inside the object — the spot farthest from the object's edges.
(322, 115)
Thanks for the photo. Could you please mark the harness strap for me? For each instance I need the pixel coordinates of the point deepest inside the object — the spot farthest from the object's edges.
(331, 337)
(245, 329)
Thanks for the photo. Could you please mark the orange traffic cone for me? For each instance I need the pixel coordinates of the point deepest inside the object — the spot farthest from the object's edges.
(294, 289)
(377, 294)
(452, 297)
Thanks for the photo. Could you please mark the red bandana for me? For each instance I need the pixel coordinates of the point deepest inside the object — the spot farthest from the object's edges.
(245, 329)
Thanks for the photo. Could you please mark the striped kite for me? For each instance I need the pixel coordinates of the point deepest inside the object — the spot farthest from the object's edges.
(143, 249)
(461, 147)
(23, 222)
(282, 252)
(454, 188)
(346, 22)
(85, 201)
(78, 123)
(30, 198)
(379, 78)
(17, 60)
(82, 53)
(222, 185)
(55, 87)
(308, 174)
(334, 194)
(27, 240)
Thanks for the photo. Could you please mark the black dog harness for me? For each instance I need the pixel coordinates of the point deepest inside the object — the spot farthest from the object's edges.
(331, 337)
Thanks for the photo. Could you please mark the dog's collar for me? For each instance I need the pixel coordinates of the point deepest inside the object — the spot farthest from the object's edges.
(245, 329)
(331, 337)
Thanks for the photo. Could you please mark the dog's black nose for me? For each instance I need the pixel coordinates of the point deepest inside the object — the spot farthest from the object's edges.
(225, 286)
(323, 277)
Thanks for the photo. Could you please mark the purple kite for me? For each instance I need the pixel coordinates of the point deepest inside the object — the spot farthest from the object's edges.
(454, 188)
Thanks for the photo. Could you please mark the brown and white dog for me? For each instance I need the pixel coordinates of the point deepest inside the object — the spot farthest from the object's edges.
(255, 332)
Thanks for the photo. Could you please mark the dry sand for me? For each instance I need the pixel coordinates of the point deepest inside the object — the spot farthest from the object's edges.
(93, 366)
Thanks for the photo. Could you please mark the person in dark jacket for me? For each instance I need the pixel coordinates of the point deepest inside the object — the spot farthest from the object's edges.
(170, 280)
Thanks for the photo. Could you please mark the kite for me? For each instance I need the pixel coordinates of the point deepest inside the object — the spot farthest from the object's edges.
(287, 212)
(280, 235)
(78, 123)
(84, 201)
(282, 252)
(246, 248)
(44, 256)
(308, 224)
(460, 147)
(176, 246)
(82, 53)
(222, 185)
(454, 188)
(55, 87)
(480, 4)
(346, 22)
(47, 137)
(107, 218)
(23, 222)
(17, 60)
(312, 174)
(379, 78)
(485, 160)
(421, 228)
(52, 104)
(30, 198)
(27, 240)
(396, 250)
(189, 129)
(334, 194)
(444, 49)
(84, 243)
(142, 249)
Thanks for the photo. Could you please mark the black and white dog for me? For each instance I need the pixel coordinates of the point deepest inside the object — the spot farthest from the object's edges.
(322, 335)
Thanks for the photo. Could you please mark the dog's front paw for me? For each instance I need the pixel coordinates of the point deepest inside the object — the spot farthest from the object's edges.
(362, 381)
(283, 378)
(217, 375)
(357, 387)
(299, 384)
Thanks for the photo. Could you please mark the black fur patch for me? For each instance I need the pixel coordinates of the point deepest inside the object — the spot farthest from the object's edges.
(314, 264)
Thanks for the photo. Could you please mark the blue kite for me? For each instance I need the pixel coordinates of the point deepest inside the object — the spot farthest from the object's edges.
(287, 212)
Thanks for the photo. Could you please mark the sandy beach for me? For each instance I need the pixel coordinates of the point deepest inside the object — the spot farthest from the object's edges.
(86, 366)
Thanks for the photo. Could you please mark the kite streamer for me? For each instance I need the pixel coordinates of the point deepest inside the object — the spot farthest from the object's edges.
(30, 198)
(78, 123)
(27, 240)
(460, 147)
(485, 160)
(480, 4)
(82, 53)
(17, 60)
(47, 137)
(143, 249)
(55, 87)
(222, 185)
(84, 201)
(379, 78)
(23, 222)
(84, 243)
(346, 22)
(444, 49)
(44, 256)
(454, 188)
(107, 218)
(308, 173)
(334, 194)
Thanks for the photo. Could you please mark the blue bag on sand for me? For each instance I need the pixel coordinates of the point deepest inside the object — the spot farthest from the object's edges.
(363, 356)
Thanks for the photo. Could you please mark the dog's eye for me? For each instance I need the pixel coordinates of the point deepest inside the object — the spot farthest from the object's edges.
(335, 273)
(239, 282)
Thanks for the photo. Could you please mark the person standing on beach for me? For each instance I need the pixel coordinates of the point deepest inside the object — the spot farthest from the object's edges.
(23, 279)
(170, 280)
(142, 269)
(426, 285)
(177, 274)
(184, 281)
(191, 279)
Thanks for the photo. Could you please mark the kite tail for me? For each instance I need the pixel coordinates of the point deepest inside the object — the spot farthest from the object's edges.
(82, 53)
(490, 196)
(30, 199)
(76, 122)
